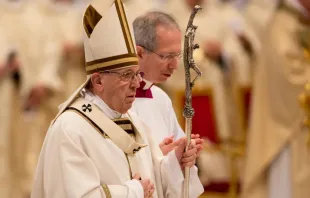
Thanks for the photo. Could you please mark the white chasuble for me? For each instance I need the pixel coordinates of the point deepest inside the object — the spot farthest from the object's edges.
(82, 157)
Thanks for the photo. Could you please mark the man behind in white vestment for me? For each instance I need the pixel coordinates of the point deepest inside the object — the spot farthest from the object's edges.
(95, 147)
(225, 64)
(219, 48)
(159, 49)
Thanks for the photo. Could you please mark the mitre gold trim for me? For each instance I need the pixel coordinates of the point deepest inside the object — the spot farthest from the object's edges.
(111, 63)
(112, 67)
(90, 20)
(124, 24)
(111, 58)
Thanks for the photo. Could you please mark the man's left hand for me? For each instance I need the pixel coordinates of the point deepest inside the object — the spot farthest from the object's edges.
(188, 158)
(199, 142)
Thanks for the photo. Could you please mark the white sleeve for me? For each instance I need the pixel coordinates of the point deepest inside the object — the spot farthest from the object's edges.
(69, 172)
(173, 122)
(168, 173)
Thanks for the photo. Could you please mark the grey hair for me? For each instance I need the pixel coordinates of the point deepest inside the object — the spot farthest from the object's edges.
(145, 28)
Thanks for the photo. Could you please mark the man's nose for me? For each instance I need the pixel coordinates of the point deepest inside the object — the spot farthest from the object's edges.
(173, 64)
(135, 83)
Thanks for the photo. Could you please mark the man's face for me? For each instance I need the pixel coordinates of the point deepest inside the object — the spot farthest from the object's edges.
(117, 92)
(156, 68)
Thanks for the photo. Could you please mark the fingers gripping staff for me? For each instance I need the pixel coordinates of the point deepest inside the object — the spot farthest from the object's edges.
(189, 63)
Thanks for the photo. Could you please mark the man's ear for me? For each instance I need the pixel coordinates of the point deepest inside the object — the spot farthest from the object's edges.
(140, 52)
(96, 81)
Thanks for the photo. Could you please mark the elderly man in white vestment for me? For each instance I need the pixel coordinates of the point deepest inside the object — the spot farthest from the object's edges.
(278, 161)
(95, 147)
(159, 49)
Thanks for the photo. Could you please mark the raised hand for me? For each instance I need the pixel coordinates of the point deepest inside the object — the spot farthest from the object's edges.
(168, 144)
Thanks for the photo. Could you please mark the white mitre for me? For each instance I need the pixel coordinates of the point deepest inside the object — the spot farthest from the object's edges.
(109, 41)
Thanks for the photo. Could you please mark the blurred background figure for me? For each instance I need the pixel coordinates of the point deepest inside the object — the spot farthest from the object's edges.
(11, 80)
(6, 88)
(44, 37)
(278, 160)
(63, 19)
(61, 71)
(259, 13)
(139, 7)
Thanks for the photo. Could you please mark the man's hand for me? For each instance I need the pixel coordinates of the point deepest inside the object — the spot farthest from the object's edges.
(199, 142)
(168, 144)
(148, 187)
(188, 158)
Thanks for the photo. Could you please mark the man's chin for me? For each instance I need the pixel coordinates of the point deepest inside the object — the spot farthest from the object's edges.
(130, 100)
(163, 78)
(126, 107)
(124, 110)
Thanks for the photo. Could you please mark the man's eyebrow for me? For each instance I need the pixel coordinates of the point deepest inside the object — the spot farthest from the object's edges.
(125, 71)
(180, 52)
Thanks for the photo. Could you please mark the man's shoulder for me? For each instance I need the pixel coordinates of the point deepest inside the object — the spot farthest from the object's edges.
(67, 117)
(71, 124)
(158, 93)
(160, 102)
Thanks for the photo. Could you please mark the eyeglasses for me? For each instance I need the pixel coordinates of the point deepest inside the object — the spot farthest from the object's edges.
(127, 76)
(167, 57)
